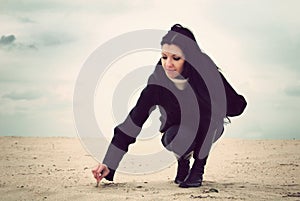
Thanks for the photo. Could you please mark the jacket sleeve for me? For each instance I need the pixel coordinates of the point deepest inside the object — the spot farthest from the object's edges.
(127, 132)
(236, 103)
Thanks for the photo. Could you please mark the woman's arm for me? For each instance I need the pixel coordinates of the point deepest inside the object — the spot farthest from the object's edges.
(236, 103)
(127, 132)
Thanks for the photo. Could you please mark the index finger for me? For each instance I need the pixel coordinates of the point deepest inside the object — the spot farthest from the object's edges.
(100, 172)
(96, 172)
(105, 171)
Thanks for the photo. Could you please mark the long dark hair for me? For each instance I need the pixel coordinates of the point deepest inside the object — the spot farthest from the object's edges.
(186, 41)
(177, 36)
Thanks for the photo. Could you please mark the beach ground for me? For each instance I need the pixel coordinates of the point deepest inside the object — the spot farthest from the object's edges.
(59, 168)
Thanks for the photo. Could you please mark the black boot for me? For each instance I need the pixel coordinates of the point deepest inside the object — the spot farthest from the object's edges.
(195, 176)
(183, 168)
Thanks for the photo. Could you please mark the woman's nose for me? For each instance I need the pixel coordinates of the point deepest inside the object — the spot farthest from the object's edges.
(169, 63)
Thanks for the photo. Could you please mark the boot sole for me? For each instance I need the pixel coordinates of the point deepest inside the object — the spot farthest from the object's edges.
(189, 185)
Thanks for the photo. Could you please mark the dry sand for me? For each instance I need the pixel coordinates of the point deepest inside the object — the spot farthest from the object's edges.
(60, 169)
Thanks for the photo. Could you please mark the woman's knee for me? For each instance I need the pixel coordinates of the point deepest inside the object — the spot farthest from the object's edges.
(169, 135)
(181, 143)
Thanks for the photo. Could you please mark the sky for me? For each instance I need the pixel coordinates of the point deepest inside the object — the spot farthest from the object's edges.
(43, 45)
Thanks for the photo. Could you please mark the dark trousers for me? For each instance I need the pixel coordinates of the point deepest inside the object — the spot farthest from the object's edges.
(181, 142)
(178, 142)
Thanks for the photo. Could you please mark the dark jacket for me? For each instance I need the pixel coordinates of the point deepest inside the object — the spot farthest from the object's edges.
(192, 106)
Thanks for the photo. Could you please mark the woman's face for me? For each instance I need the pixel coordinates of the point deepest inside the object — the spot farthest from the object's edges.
(172, 59)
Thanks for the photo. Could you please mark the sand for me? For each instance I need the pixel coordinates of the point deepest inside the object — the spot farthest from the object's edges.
(60, 169)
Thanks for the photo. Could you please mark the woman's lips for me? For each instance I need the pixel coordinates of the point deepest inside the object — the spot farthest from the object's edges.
(172, 73)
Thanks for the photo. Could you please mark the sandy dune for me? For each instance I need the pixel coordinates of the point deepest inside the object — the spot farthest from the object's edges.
(60, 169)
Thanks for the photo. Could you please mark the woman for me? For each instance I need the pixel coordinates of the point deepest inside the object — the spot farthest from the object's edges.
(190, 120)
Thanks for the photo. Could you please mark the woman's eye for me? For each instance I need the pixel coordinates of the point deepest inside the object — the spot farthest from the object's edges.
(164, 57)
(176, 58)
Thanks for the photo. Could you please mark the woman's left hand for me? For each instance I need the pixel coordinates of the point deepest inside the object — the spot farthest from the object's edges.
(100, 171)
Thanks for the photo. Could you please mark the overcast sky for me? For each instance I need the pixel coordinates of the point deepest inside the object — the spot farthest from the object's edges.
(43, 45)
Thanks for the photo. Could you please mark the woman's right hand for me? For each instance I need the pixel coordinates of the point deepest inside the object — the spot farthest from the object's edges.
(100, 171)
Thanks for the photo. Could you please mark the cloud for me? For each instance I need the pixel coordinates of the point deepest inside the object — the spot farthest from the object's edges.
(8, 43)
(7, 40)
(103, 6)
(49, 38)
(28, 95)
(26, 20)
(292, 91)
(260, 46)
(268, 34)
(43, 39)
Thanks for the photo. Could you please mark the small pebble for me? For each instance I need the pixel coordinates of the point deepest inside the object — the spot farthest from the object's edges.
(213, 190)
